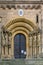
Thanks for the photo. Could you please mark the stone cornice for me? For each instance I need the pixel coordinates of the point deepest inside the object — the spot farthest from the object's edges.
(21, 2)
(15, 6)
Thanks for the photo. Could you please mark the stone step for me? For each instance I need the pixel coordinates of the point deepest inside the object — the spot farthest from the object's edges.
(22, 62)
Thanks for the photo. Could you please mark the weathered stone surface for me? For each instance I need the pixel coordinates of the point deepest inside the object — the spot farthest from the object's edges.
(22, 62)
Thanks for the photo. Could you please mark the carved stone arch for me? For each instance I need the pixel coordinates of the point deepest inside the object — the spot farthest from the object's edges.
(17, 20)
(20, 24)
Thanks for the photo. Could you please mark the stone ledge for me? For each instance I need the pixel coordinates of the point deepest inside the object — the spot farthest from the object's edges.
(21, 2)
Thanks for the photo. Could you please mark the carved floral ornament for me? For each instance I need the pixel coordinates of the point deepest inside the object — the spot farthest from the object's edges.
(16, 6)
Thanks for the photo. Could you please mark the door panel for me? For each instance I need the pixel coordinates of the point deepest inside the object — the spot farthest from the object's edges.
(19, 46)
(23, 45)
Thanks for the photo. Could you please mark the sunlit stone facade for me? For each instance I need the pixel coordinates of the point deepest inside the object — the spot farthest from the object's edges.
(21, 18)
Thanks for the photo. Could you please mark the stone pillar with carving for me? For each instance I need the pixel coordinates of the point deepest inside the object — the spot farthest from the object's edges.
(9, 46)
(37, 45)
(34, 45)
(30, 46)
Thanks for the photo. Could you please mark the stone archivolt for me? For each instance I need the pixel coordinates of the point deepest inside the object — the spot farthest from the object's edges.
(26, 27)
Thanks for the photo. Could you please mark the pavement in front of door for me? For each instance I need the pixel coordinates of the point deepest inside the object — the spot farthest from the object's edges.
(33, 61)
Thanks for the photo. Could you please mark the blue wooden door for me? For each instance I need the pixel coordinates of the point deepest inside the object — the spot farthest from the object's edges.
(19, 46)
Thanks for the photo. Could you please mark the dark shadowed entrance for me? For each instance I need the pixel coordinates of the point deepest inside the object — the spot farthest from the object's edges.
(20, 46)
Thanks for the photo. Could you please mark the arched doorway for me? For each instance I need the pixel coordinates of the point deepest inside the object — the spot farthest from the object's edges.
(22, 29)
(20, 46)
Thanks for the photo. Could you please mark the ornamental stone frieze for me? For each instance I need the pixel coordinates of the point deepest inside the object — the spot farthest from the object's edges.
(22, 6)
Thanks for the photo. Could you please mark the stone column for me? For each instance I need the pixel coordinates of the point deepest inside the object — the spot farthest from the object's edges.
(34, 45)
(29, 53)
(2, 43)
(27, 47)
(37, 44)
(10, 42)
(30, 46)
(42, 27)
(12, 48)
(39, 41)
(6, 50)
